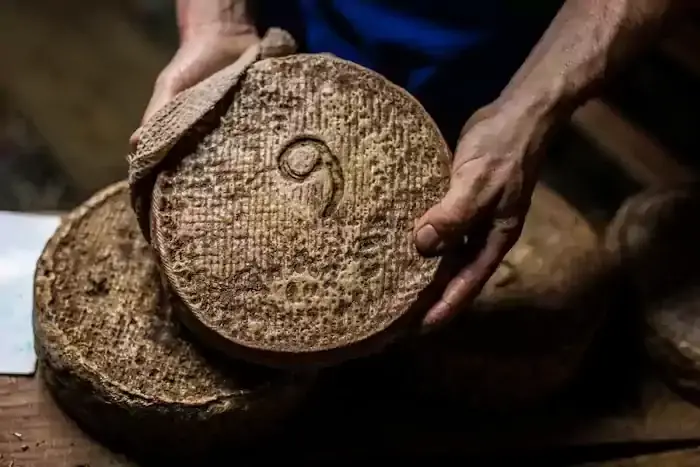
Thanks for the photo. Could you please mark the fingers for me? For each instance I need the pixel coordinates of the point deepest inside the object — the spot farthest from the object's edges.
(443, 225)
(474, 184)
(134, 139)
(467, 284)
(159, 99)
(163, 92)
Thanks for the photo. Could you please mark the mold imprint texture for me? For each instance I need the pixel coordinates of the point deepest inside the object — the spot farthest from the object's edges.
(286, 229)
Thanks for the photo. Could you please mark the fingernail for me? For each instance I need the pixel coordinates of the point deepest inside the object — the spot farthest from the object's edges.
(428, 241)
(134, 138)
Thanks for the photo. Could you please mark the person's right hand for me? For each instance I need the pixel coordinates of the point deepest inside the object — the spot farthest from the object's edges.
(201, 55)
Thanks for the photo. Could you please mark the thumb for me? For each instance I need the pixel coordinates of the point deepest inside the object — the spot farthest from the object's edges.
(134, 139)
(443, 225)
(162, 94)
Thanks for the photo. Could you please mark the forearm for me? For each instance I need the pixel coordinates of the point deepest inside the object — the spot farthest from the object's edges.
(224, 17)
(587, 41)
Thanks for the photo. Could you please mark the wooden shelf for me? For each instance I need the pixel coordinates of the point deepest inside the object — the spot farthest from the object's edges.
(637, 153)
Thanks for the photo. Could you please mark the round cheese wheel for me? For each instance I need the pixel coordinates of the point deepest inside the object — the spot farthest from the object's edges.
(282, 210)
(115, 360)
(654, 235)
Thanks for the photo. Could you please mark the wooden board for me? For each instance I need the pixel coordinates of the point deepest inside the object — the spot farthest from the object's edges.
(35, 433)
(680, 458)
(643, 158)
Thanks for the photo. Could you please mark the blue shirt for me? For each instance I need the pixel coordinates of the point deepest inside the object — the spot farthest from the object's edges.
(454, 56)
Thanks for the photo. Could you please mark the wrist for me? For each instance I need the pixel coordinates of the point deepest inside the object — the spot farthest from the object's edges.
(546, 103)
(229, 33)
(526, 120)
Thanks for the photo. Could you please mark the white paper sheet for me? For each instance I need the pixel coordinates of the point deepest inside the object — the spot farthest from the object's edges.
(22, 238)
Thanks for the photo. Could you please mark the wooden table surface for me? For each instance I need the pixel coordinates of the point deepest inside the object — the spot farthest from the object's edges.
(35, 433)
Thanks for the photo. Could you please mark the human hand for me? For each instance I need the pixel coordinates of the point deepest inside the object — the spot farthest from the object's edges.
(493, 175)
(201, 55)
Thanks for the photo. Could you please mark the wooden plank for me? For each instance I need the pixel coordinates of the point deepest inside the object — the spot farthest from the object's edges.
(35, 433)
(83, 75)
(681, 458)
(644, 159)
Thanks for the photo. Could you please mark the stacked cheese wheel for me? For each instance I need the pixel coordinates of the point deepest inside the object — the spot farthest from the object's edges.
(654, 235)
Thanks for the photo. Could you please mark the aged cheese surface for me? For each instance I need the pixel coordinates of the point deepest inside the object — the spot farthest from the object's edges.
(655, 236)
(286, 228)
(115, 359)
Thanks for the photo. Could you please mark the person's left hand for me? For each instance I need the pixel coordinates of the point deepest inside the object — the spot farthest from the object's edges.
(493, 174)
(206, 50)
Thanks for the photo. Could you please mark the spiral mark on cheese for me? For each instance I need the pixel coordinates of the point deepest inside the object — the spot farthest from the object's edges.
(305, 155)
